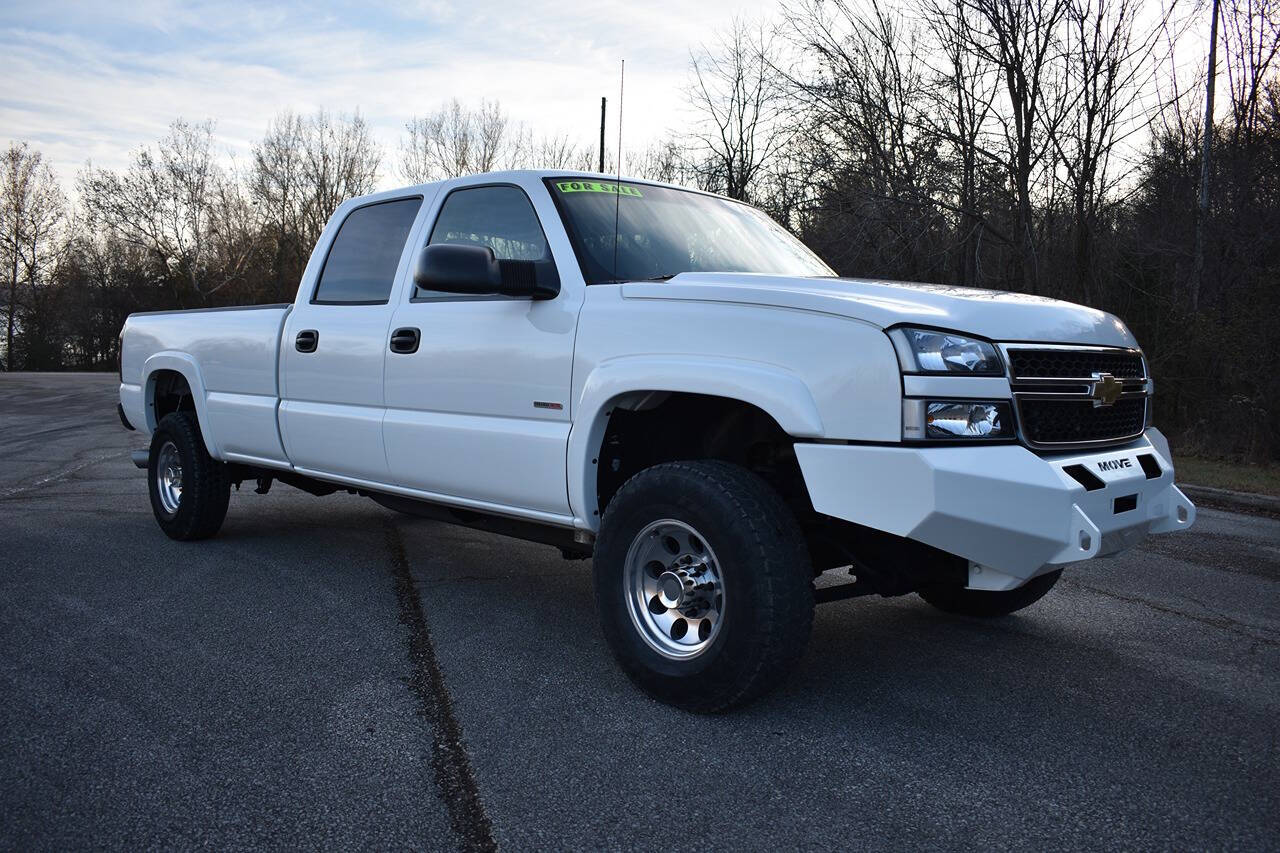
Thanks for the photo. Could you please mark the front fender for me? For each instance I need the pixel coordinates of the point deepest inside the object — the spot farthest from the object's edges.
(179, 362)
(775, 390)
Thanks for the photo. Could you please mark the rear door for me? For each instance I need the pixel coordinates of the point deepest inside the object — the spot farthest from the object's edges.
(335, 343)
(479, 413)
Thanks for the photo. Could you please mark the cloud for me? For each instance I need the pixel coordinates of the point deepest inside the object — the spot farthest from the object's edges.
(83, 82)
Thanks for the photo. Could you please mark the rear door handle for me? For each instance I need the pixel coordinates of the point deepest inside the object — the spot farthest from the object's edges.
(307, 340)
(405, 341)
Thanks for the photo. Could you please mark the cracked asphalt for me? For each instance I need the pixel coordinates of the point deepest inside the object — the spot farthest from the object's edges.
(329, 674)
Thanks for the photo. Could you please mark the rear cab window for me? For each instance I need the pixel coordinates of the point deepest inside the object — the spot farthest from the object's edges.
(360, 268)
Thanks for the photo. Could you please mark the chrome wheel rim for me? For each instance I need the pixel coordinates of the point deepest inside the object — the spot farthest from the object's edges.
(674, 589)
(169, 477)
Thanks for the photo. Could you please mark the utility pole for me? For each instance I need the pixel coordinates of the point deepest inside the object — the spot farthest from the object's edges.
(1202, 209)
(602, 103)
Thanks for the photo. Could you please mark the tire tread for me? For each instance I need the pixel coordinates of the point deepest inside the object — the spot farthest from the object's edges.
(209, 486)
(768, 529)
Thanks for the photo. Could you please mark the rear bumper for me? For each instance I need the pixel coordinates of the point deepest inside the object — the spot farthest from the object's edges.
(1011, 512)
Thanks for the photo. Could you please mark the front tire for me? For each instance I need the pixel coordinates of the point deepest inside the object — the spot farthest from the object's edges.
(984, 604)
(703, 584)
(189, 488)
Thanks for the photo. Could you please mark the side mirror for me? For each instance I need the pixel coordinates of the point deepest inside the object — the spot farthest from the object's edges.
(458, 268)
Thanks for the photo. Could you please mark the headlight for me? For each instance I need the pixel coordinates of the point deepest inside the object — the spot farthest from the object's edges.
(927, 351)
(956, 419)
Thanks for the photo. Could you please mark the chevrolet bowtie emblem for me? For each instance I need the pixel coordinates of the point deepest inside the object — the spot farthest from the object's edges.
(1105, 389)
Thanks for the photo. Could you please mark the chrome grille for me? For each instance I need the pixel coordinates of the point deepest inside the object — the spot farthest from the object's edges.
(1060, 394)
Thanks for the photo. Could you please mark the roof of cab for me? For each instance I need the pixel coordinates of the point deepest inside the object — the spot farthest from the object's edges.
(509, 174)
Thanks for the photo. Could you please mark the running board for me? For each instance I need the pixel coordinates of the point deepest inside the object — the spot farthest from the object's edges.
(140, 458)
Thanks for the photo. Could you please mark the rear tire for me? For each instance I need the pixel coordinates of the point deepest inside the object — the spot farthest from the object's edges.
(189, 488)
(976, 602)
(703, 584)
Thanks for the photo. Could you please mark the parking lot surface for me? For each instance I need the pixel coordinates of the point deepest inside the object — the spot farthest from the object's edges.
(329, 674)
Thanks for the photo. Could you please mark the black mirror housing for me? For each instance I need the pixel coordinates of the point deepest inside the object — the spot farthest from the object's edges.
(473, 270)
(458, 269)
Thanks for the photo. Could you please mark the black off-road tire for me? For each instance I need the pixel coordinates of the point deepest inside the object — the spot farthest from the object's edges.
(976, 602)
(206, 488)
(767, 578)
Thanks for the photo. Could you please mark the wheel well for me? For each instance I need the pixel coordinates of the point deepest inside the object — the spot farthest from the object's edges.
(650, 428)
(170, 393)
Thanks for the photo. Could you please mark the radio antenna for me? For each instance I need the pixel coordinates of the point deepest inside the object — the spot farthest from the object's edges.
(617, 187)
(603, 102)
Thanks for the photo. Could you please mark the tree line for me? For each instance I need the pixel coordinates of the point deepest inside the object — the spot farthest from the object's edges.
(1059, 148)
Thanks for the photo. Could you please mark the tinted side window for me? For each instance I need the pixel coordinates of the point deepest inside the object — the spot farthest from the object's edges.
(501, 218)
(362, 262)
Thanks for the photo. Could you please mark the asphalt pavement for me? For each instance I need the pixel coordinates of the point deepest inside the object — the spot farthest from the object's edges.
(328, 674)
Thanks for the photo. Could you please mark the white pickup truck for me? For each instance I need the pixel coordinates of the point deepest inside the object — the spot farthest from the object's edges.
(667, 381)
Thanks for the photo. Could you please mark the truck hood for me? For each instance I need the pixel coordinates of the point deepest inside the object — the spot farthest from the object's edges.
(993, 314)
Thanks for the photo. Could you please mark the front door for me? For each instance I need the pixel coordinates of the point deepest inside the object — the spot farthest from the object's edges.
(479, 414)
(335, 343)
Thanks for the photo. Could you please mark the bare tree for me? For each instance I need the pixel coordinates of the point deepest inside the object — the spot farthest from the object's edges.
(555, 152)
(665, 161)
(168, 203)
(456, 140)
(303, 168)
(32, 207)
(963, 91)
(340, 160)
(1022, 39)
(1111, 58)
(743, 103)
(1252, 37)
(277, 185)
(864, 90)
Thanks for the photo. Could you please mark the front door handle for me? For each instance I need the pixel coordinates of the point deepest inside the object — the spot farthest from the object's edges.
(307, 340)
(405, 341)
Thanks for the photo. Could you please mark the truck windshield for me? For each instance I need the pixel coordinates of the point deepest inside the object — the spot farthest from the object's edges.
(663, 232)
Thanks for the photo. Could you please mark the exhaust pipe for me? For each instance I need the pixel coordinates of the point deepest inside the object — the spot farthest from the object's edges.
(140, 458)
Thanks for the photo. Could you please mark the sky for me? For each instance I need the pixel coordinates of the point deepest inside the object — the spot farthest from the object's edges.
(95, 80)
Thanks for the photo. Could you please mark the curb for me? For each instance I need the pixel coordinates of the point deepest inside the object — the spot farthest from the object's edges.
(1230, 500)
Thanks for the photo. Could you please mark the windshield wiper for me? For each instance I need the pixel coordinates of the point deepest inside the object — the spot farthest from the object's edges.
(666, 277)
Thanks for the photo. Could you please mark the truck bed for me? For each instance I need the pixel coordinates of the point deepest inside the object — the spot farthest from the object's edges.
(230, 358)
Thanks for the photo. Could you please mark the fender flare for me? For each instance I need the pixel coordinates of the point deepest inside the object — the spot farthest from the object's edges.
(775, 390)
(185, 364)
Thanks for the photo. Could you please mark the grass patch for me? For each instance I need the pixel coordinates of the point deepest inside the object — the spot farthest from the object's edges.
(1239, 477)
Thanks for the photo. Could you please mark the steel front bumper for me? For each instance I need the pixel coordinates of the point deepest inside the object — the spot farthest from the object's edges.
(1012, 513)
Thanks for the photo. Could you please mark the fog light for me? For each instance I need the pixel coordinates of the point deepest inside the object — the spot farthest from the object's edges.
(960, 419)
